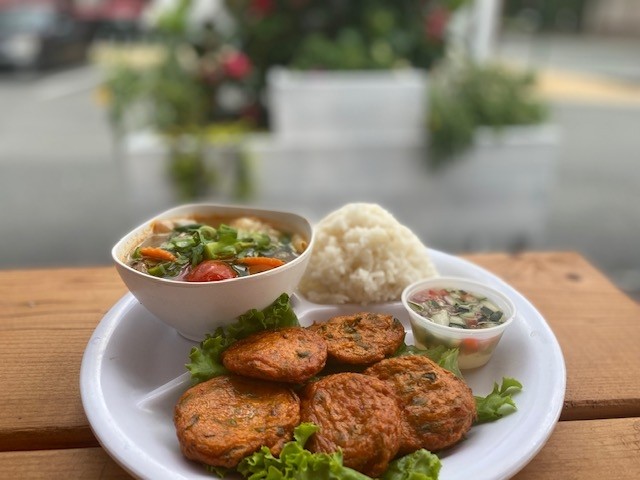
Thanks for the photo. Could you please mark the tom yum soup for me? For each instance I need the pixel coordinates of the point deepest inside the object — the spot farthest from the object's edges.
(210, 249)
(456, 308)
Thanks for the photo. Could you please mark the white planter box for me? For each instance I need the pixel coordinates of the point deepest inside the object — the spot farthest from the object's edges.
(358, 108)
(494, 197)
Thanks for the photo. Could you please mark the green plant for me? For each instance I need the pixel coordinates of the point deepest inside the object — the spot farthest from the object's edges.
(338, 35)
(466, 95)
(176, 93)
(209, 76)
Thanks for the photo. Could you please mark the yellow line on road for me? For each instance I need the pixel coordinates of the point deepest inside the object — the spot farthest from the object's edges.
(578, 87)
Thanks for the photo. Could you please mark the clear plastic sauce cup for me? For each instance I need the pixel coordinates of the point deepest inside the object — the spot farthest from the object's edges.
(476, 345)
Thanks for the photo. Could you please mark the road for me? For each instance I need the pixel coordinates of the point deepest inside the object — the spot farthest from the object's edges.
(63, 199)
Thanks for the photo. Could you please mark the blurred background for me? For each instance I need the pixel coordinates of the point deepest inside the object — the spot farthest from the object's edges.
(483, 125)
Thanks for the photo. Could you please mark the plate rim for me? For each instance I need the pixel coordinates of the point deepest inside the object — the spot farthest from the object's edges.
(119, 449)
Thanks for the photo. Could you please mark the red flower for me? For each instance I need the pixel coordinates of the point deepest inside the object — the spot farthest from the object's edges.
(435, 23)
(262, 7)
(236, 65)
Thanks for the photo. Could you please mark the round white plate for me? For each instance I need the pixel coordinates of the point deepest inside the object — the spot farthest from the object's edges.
(133, 373)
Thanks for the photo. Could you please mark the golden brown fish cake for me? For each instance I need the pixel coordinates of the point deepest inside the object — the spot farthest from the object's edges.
(361, 339)
(438, 407)
(356, 413)
(291, 355)
(222, 420)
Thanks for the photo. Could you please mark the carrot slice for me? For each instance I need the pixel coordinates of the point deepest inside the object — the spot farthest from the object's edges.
(157, 254)
(267, 261)
(253, 269)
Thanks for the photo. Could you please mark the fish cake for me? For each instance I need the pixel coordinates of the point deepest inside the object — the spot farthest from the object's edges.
(222, 420)
(438, 407)
(356, 413)
(291, 355)
(361, 339)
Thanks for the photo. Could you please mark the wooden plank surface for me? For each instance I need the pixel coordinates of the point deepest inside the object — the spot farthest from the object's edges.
(47, 317)
(589, 450)
(72, 463)
(577, 450)
(597, 326)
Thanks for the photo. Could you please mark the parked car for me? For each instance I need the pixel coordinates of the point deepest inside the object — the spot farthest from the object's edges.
(36, 35)
(112, 20)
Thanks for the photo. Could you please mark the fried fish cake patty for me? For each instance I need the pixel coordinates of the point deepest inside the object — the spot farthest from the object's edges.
(361, 339)
(438, 407)
(291, 355)
(222, 420)
(357, 413)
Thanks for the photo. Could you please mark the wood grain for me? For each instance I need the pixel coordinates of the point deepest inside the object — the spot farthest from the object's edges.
(597, 326)
(74, 463)
(46, 319)
(579, 450)
(589, 450)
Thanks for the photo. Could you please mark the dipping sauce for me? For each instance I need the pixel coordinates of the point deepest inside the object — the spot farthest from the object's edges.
(456, 308)
(208, 250)
(458, 313)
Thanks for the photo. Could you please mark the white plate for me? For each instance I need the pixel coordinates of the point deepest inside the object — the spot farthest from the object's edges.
(133, 373)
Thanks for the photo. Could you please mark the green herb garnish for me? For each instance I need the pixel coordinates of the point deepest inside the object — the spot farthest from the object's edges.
(205, 358)
(447, 358)
(499, 402)
(294, 462)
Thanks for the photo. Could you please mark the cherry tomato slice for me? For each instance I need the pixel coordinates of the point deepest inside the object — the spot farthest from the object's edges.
(211, 271)
(470, 345)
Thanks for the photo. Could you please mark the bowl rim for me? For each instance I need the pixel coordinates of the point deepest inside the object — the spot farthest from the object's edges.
(166, 213)
(491, 292)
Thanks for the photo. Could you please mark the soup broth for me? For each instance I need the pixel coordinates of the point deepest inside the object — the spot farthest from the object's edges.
(199, 249)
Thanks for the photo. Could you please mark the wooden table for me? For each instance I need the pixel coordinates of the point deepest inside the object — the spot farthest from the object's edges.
(47, 317)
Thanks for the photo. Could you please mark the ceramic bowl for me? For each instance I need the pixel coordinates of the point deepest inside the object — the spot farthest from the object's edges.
(476, 346)
(197, 308)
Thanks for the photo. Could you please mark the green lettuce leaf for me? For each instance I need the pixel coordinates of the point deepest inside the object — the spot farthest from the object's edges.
(499, 402)
(419, 465)
(205, 359)
(447, 358)
(297, 463)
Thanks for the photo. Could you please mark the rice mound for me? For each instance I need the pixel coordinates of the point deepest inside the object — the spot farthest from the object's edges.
(362, 254)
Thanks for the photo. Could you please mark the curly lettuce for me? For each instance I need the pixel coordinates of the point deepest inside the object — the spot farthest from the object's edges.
(419, 465)
(205, 358)
(499, 402)
(294, 462)
(447, 358)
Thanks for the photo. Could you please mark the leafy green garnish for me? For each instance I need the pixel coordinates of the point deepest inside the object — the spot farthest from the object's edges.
(297, 463)
(205, 359)
(218, 471)
(447, 358)
(419, 465)
(294, 462)
(499, 402)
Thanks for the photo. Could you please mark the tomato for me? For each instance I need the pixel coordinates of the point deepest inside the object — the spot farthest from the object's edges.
(211, 271)
(470, 345)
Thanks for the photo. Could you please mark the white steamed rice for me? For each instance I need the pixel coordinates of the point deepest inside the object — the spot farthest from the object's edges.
(362, 254)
